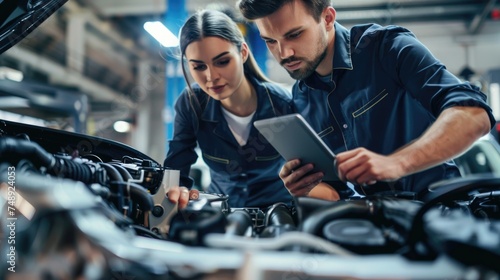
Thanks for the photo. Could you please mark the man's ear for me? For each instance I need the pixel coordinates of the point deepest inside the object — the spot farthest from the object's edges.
(329, 16)
(244, 52)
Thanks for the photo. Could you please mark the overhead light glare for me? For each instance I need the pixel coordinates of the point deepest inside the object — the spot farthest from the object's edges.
(121, 126)
(161, 33)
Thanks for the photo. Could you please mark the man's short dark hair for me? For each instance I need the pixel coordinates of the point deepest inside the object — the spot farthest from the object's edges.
(255, 9)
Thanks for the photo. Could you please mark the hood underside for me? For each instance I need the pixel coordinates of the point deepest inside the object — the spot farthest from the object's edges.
(18, 18)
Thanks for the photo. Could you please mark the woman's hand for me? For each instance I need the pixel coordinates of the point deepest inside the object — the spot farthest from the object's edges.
(181, 195)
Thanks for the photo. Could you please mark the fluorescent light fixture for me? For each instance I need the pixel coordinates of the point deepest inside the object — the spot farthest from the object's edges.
(161, 33)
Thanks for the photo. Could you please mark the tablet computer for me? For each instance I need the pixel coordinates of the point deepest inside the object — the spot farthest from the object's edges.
(293, 138)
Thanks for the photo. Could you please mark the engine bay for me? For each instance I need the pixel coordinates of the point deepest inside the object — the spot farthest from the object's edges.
(81, 207)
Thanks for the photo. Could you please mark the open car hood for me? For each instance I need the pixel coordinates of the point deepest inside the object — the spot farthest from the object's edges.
(60, 141)
(100, 206)
(19, 17)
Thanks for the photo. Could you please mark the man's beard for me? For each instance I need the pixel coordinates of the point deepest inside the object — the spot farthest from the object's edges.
(308, 69)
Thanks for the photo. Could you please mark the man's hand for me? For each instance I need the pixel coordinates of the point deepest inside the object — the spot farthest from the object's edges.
(324, 191)
(451, 134)
(363, 167)
(296, 178)
(181, 195)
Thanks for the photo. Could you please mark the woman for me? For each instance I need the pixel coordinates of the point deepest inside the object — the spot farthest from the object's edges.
(217, 114)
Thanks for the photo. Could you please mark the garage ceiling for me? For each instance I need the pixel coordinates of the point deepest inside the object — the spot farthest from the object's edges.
(472, 12)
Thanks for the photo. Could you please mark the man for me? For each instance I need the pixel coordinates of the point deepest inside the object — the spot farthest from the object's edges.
(391, 112)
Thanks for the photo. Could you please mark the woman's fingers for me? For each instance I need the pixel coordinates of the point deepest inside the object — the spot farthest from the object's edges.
(182, 195)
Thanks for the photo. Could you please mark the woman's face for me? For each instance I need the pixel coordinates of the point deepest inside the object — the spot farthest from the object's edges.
(216, 65)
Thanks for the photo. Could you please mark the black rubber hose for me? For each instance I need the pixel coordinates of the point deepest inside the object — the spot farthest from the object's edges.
(279, 215)
(445, 192)
(68, 168)
(138, 194)
(341, 209)
(238, 223)
(123, 171)
(12, 149)
(113, 173)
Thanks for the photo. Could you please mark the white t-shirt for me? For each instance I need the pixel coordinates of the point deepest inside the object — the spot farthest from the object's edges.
(240, 126)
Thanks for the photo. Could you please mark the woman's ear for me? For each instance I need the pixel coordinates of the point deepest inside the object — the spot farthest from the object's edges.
(244, 52)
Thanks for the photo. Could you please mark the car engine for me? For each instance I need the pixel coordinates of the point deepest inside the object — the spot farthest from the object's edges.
(81, 207)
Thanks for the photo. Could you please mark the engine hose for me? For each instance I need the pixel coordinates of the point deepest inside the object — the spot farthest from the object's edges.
(68, 168)
(13, 149)
(123, 171)
(138, 194)
(444, 192)
(341, 209)
(279, 214)
(113, 173)
(238, 223)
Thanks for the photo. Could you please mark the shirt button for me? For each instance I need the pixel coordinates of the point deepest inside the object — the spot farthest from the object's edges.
(344, 126)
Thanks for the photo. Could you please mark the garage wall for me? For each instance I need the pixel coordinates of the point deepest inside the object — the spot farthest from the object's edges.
(447, 41)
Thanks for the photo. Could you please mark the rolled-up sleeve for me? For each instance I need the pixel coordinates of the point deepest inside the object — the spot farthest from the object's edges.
(425, 77)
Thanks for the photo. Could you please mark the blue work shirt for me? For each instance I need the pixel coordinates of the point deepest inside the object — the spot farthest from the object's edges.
(385, 90)
(248, 174)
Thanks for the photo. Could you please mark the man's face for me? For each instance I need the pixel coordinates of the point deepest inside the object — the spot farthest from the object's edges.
(295, 39)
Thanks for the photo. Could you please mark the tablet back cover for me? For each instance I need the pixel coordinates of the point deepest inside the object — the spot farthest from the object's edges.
(293, 138)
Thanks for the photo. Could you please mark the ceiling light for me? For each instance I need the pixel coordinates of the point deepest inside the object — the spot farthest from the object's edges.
(121, 126)
(161, 33)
